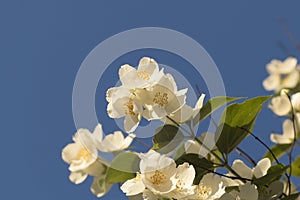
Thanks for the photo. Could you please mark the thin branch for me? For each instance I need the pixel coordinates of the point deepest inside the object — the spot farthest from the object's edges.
(289, 34)
(293, 144)
(260, 141)
(246, 156)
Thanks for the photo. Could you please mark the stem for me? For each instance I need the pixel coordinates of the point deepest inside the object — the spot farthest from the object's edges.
(260, 141)
(293, 144)
(246, 156)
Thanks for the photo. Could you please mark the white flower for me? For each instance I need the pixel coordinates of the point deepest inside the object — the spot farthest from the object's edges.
(134, 186)
(281, 104)
(145, 75)
(123, 104)
(186, 112)
(244, 171)
(246, 192)
(288, 131)
(162, 99)
(158, 172)
(116, 142)
(282, 74)
(148, 195)
(210, 188)
(82, 155)
(185, 175)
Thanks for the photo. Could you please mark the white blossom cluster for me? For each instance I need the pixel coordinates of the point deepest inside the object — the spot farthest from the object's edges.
(148, 92)
(284, 80)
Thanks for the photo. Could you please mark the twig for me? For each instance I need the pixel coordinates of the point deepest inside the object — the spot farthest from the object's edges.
(246, 156)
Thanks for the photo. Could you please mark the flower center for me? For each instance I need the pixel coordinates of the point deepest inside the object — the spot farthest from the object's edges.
(143, 74)
(160, 98)
(203, 191)
(129, 107)
(158, 178)
(180, 185)
(84, 154)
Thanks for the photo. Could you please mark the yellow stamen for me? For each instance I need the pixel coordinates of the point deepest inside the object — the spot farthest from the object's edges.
(158, 178)
(161, 99)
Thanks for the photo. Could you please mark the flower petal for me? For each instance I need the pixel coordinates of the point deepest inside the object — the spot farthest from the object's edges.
(262, 167)
(78, 177)
(242, 169)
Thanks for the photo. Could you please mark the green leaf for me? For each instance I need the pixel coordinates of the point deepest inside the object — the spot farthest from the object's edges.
(296, 167)
(278, 150)
(291, 197)
(273, 174)
(236, 121)
(123, 167)
(167, 138)
(202, 165)
(210, 106)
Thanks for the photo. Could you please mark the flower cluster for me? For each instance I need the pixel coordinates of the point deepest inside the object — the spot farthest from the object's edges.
(183, 164)
(82, 155)
(284, 79)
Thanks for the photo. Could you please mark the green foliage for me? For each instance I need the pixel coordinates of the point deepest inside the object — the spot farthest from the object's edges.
(273, 174)
(123, 167)
(278, 150)
(296, 167)
(212, 105)
(235, 119)
(167, 138)
(202, 165)
(291, 197)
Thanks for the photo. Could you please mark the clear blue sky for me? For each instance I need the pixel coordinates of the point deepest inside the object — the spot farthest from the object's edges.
(42, 44)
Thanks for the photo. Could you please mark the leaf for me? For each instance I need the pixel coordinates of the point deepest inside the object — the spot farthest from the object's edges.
(296, 167)
(236, 121)
(202, 165)
(291, 197)
(123, 167)
(167, 138)
(273, 174)
(210, 106)
(278, 150)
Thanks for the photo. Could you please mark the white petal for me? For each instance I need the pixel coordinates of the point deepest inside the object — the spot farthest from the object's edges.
(280, 105)
(280, 139)
(131, 122)
(186, 173)
(148, 64)
(70, 152)
(289, 65)
(198, 105)
(191, 146)
(262, 167)
(180, 116)
(291, 80)
(242, 169)
(128, 140)
(100, 187)
(78, 177)
(248, 192)
(296, 101)
(127, 74)
(212, 181)
(133, 186)
(98, 134)
(288, 129)
(272, 82)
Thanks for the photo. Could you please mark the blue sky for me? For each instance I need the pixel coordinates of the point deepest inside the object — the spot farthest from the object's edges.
(42, 44)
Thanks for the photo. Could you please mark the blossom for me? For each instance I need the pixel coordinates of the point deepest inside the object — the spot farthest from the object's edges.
(185, 175)
(161, 99)
(133, 186)
(123, 104)
(82, 155)
(115, 142)
(186, 112)
(282, 74)
(210, 188)
(145, 75)
(281, 104)
(246, 192)
(244, 171)
(158, 172)
(288, 131)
